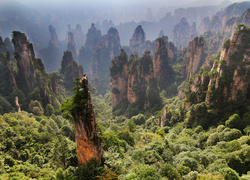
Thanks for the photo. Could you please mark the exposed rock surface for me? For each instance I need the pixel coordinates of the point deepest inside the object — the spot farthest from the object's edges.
(72, 45)
(70, 69)
(26, 61)
(106, 50)
(53, 37)
(195, 56)
(137, 39)
(204, 25)
(17, 106)
(8, 81)
(183, 32)
(162, 70)
(142, 86)
(229, 78)
(89, 145)
(80, 38)
(119, 78)
(234, 21)
(3, 48)
(219, 21)
(52, 54)
(93, 37)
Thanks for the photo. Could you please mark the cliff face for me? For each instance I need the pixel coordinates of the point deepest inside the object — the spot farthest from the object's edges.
(25, 57)
(8, 81)
(204, 25)
(119, 78)
(80, 38)
(106, 50)
(70, 69)
(52, 54)
(229, 78)
(88, 143)
(182, 32)
(3, 48)
(162, 70)
(53, 37)
(72, 45)
(219, 21)
(93, 37)
(137, 76)
(234, 21)
(195, 56)
(137, 39)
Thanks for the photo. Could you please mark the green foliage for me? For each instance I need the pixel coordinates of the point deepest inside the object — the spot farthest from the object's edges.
(229, 174)
(110, 139)
(233, 121)
(88, 171)
(170, 172)
(147, 174)
(226, 44)
(131, 126)
(127, 136)
(49, 110)
(5, 106)
(139, 119)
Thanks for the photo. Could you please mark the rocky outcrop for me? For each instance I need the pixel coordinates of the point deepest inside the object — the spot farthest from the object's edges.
(119, 78)
(162, 70)
(26, 62)
(80, 38)
(183, 32)
(172, 52)
(8, 81)
(70, 69)
(234, 21)
(53, 37)
(72, 45)
(137, 75)
(17, 106)
(137, 39)
(89, 144)
(3, 48)
(52, 54)
(93, 37)
(106, 50)
(229, 78)
(204, 25)
(195, 56)
(106, 25)
(223, 18)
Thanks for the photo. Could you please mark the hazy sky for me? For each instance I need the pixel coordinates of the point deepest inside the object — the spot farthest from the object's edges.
(110, 3)
(115, 3)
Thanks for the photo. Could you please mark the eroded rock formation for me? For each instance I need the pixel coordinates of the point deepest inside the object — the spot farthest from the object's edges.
(137, 39)
(195, 55)
(53, 37)
(183, 32)
(162, 70)
(89, 145)
(93, 37)
(137, 75)
(26, 61)
(70, 69)
(72, 45)
(229, 78)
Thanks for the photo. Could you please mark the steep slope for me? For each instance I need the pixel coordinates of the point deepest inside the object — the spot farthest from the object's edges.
(224, 90)
(88, 143)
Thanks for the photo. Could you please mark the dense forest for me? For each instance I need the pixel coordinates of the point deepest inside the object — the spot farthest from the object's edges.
(177, 107)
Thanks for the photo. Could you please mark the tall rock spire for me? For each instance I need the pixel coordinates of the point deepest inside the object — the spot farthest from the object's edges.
(88, 143)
